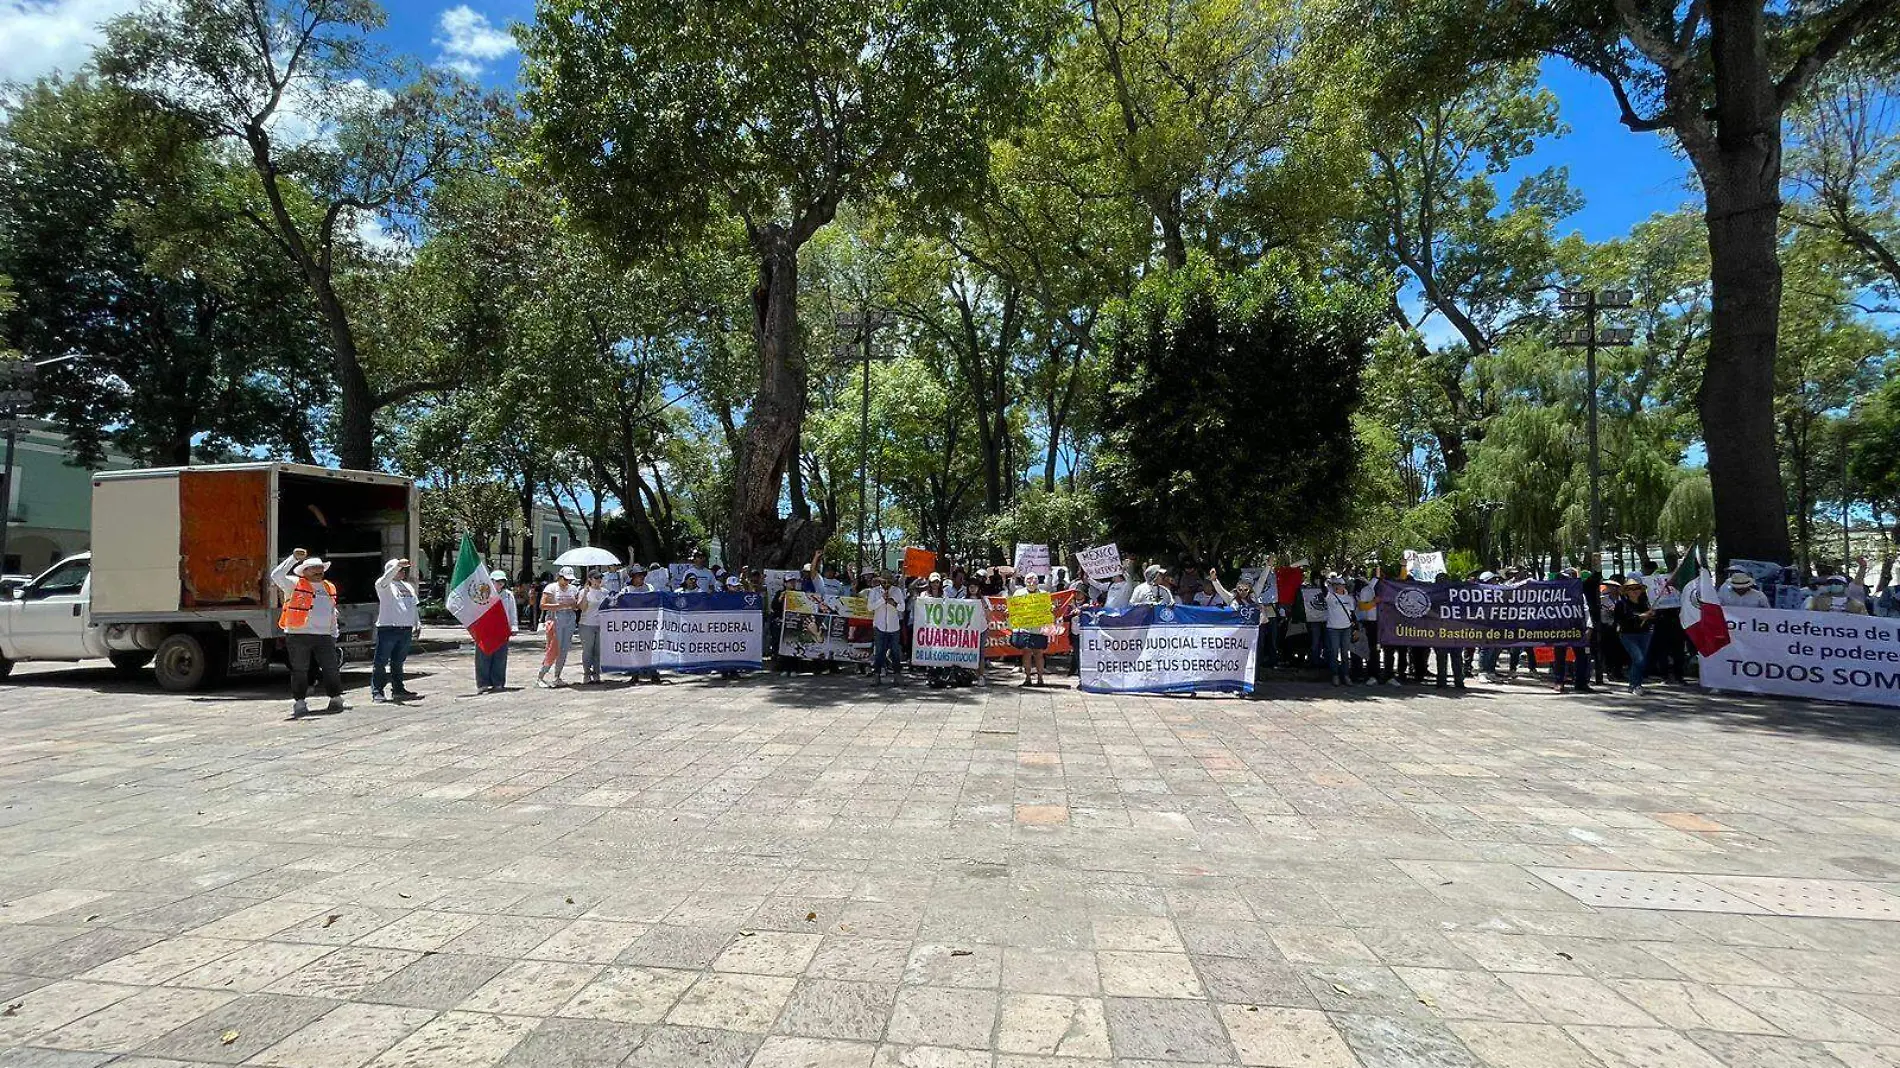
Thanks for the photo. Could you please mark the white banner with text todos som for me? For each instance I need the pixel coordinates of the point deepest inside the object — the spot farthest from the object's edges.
(1831, 656)
(690, 632)
(1167, 649)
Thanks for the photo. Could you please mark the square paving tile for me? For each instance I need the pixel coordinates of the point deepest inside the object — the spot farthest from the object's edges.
(239, 1029)
(769, 953)
(560, 1043)
(1285, 1038)
(830, 1008)
(457, 1040)
(1166, 1029)
(139, 1019)
(349, 1035)
(436, 981)
(732, 1002)
(940, 1016)
(693, 1047)
(629, 995)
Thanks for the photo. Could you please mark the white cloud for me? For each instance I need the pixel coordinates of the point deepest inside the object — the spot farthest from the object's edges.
(308, 112)
(469, 42)
(38, 37)
(380, 239)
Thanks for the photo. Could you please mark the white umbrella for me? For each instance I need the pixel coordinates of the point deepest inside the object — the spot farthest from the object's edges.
(588, 556)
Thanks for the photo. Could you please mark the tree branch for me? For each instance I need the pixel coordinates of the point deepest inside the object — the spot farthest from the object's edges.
(1837, 38)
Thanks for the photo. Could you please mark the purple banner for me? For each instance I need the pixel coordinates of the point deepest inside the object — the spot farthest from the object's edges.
(1481, 614)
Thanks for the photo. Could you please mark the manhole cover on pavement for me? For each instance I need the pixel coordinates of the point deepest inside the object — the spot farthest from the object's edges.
(1667, 891)
(1811, 897)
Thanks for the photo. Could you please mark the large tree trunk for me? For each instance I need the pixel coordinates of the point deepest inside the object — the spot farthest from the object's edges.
(1740, 170)
(758, 537)
(1737, 398)
(356, 428)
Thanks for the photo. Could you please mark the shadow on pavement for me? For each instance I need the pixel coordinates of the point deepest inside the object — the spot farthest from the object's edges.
(1758, 714)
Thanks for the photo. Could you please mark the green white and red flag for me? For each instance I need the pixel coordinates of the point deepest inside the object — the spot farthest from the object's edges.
(474, 601)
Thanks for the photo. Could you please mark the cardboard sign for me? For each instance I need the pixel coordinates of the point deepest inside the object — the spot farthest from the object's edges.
(818, 627)
(775, 579)
(1032, 559)
(1031, 611)
(1424, 567)
(996, 639)
(1102, 563)
(919, 563)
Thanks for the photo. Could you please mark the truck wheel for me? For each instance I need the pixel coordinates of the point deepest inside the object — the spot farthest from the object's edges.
(130, 662)
(180, 663)
(6, 667)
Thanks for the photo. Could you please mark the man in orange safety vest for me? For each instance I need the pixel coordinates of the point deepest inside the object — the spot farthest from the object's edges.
(310, 625)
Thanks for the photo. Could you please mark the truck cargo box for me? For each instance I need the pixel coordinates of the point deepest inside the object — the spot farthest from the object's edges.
(202, 540)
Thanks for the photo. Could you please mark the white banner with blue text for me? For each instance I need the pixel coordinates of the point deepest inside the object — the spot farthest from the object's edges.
(688, 632)
(1167, 649)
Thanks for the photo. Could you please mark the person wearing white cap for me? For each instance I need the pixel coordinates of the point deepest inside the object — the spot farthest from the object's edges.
(1835, 596)
(560, 601)
(397, 620)
(310, 625)
(1740, 591)
(1340, 622)
(638, 581)
(491, 669)
(1153, 590)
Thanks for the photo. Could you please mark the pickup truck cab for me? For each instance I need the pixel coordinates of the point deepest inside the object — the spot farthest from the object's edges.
(50, 618)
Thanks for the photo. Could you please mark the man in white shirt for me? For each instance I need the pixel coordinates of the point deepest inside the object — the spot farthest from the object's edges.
(887, 625)
(698, 567)
(1740, 591)
(310, 626)
(397, 621)
(1153, 588)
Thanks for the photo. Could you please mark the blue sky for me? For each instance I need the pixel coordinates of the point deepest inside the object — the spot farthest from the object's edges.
(1624, 176)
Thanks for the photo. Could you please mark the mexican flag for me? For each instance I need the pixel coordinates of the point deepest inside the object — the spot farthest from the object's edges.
(1687, 572)
(473, 602)
(1703, 620)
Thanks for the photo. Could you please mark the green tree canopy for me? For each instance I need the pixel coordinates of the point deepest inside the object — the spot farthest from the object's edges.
(1229, 426)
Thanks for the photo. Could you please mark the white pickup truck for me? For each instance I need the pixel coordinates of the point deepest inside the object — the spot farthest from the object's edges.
(178, 575)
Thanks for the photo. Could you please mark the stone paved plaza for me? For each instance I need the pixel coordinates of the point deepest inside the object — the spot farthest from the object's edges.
(816, 874)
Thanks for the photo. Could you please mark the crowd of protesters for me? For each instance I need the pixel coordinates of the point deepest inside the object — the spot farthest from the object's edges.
(1635, 636)
(1634, 630)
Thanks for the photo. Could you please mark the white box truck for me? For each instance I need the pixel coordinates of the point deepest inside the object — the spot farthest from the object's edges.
(178, 574)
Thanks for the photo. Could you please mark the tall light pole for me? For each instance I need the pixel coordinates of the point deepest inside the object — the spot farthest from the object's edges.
(863, 324)
(16, 392)
(1588, 337)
